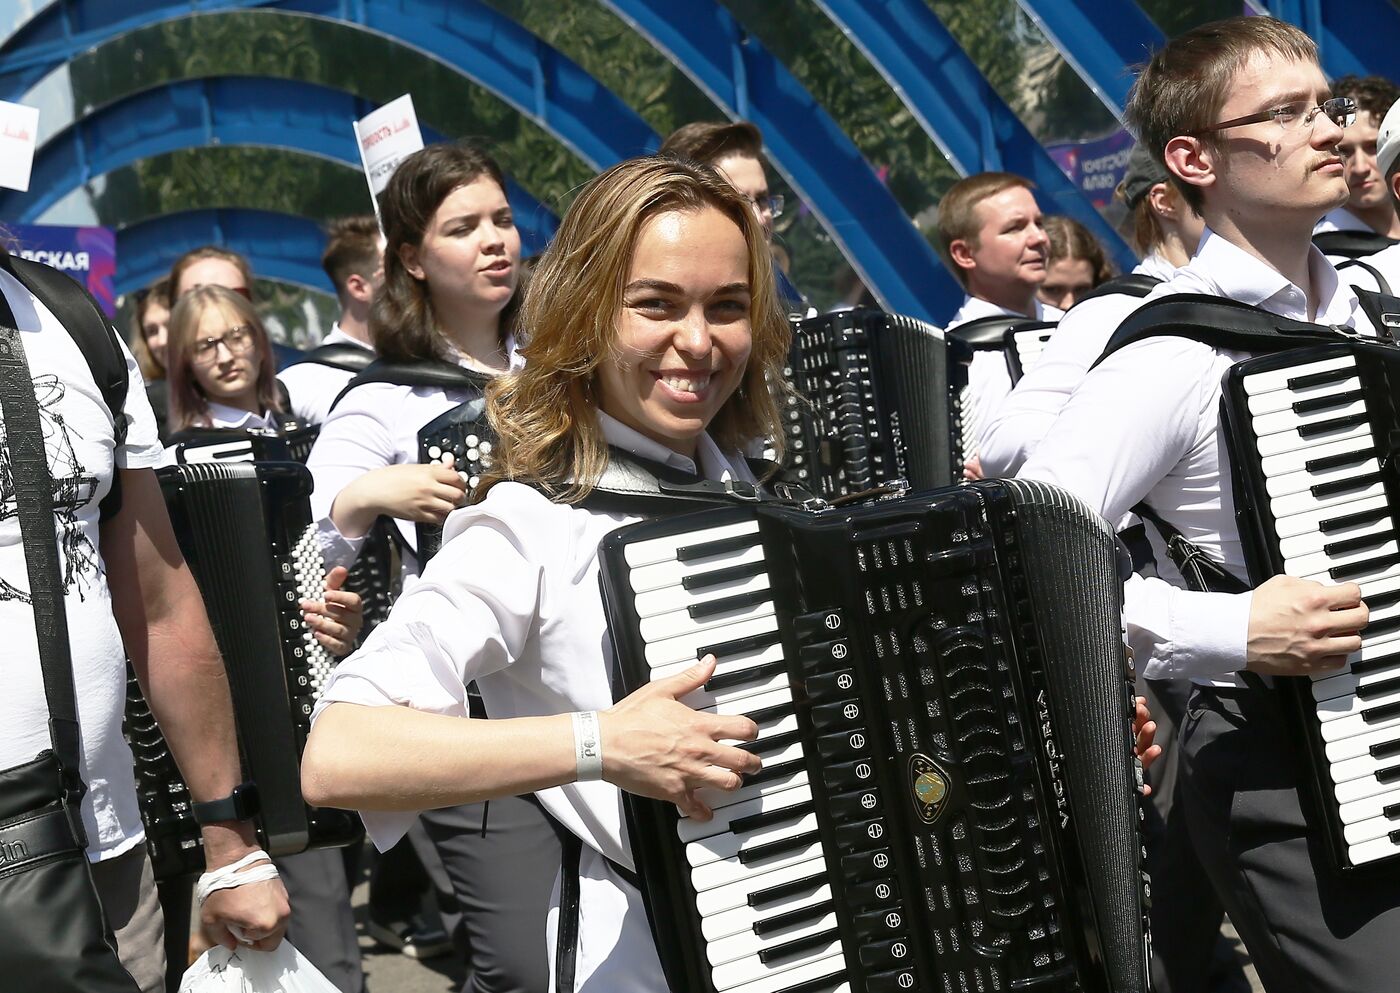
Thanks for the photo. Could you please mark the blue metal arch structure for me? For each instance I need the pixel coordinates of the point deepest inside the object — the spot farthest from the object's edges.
(939, 83)
(705, 42)
(281, 247)
(1358, 36)
(486, 47)
(230, 111)
(1102, 41)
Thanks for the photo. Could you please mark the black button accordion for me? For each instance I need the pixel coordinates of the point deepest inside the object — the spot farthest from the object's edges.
(872, 404)
(1313, 435)
(949, 796)
(245, 529)
(464, 433)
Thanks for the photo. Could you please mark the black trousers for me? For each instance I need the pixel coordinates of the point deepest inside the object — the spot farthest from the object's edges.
(502, 878)
(1190, 955)
(1309, 928)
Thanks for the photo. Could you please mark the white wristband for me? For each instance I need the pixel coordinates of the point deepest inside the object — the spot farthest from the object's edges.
(588, 746)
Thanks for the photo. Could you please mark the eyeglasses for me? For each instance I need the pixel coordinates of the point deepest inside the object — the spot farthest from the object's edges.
(238, 341)
(1341, 111)
(773, 204)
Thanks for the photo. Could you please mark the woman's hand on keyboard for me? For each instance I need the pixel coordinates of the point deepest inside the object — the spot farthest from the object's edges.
(335, 620)
(1297, 626)
(412, 491)
(656, 746)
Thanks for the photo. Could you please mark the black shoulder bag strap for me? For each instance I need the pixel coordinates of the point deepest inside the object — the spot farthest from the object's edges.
(42, 819)
(339, 355)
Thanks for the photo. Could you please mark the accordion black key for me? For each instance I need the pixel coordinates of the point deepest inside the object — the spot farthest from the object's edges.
(245, 529)
(949, 796)
(872, 405)
(1023, 345)
(465, 434)
(1313, 435)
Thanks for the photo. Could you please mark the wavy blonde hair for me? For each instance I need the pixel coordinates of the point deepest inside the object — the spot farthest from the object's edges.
(546, 414)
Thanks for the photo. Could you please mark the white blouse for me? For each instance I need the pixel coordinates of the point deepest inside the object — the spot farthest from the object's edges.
(511, 602)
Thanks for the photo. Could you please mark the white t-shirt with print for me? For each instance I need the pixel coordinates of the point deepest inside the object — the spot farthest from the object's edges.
(78, 438)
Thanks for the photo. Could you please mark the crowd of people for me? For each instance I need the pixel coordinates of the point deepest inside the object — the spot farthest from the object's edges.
(653, 331)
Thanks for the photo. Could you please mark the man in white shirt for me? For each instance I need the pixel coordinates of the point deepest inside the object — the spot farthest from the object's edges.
(1369, 207)
(1381, 271)
(127, 594)
(990, 236)
(354, 261)
(1236, 107)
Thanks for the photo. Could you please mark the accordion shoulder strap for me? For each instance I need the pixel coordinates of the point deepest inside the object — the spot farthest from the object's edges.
(1132, 284)
(339, 355)
(1220, 323)
(426, 372)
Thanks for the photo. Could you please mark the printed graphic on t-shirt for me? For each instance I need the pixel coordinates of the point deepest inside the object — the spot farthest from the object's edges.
(73, 488)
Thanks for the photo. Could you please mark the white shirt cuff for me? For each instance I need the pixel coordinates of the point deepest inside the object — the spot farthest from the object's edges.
(1210, 635)
(336, 549)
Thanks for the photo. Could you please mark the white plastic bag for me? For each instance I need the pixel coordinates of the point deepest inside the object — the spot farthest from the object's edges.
(246, 970)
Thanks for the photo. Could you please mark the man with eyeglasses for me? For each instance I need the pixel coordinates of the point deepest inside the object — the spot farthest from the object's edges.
(1243, 118)
(735, 150)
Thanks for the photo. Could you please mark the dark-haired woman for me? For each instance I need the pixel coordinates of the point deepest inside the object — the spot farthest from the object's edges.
(451, 268)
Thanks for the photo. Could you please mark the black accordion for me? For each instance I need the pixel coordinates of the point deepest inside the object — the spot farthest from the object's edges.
(949, 797)
(465, 434)
(245, 529)
(1313, 435)
(872, 404)
(1017, 341)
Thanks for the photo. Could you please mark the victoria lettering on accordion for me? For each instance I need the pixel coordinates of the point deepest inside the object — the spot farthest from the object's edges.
(245, 529)
(1313, 435)
(949, 796)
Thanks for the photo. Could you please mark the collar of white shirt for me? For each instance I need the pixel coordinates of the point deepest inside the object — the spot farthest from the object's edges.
(221, 415)
(1220, 268)
(974, 308)
(335, 336)
(714, 464)
(1155, 266)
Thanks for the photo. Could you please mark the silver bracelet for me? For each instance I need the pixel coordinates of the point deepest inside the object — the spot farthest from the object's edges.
(588, 745)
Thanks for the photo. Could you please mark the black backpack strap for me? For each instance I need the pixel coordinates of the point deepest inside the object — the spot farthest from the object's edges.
(425, 372)
(84, 320)
(1381, 283)
(338, 355)
(1132, 284)
(1219, 323)
(1352, 244)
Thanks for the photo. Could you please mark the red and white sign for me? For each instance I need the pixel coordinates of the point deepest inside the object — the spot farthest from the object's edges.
(19, 131)
(387, 137)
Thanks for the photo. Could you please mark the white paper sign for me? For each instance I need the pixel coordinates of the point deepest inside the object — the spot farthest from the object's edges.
(19, 130)
(386, 137)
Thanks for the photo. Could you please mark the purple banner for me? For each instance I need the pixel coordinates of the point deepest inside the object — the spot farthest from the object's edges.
(1095, 166)
(89, 255)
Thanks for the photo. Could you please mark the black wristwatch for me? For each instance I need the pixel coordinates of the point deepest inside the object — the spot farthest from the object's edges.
(239, 805)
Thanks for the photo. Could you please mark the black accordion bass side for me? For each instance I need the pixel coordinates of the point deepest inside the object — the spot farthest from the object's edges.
(245, 529)
(949, 798)
(1313, 437)
(465, 434)
(872, 404)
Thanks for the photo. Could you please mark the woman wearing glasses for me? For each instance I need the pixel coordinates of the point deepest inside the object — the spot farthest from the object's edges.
(221, 369)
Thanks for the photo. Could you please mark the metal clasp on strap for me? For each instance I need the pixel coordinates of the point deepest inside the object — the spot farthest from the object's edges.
(741, 490)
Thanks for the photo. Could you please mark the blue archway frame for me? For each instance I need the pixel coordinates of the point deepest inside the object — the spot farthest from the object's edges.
(1361, 37)
(228, 111)
(957, 107)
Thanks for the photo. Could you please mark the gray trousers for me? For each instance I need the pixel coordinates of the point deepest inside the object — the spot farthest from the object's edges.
(1309, 928)
(322, 926)
(502, 878)
(126, 886)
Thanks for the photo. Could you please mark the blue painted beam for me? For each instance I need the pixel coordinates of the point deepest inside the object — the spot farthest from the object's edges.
(957, 107)
(230, 110)
(802, 141)
(484, 46)
(278, 246)
(1360, 37)
(1101, 41)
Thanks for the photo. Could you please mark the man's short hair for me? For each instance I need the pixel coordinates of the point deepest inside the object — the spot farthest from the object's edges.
(352, 250)
(1373, 94)
(1184, 85)
(957, 214)
(707, 142)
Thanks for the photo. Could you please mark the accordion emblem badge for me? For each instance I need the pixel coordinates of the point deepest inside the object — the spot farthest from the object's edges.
(929, 785)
